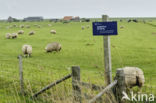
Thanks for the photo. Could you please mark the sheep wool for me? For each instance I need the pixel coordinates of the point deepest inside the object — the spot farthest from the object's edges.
(14, 35)
(8, 36)
(20, 32)
(27, 50)
(31, 33)
(53, 47)
(82, 27)
(53, 31)
(134, 76)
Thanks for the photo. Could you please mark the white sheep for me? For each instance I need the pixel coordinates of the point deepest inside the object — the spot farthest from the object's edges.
(14, 35)
(121, 27)
(38, 26)
(49, 25)
(134, 76)
(20, 32)
(53, 47)
(82, 27)
(27, 50)
(31, 33)
(53, 31)
(8, 36)
(21, 26)
(27, 26)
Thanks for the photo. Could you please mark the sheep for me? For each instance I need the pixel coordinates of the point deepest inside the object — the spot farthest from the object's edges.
(20, 32)
(14, 25)
(14, 35)
(8, 36)
(27, 26)
(27, 50)
(53, 47)
(49, 25)
(53, 31)
(121, 27)
(38, 26)
(134, 76)
(31, 33)
(82, 27)
(21, 26)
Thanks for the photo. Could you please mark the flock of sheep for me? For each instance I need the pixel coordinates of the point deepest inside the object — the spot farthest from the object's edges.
(133, 75)
(27, 49)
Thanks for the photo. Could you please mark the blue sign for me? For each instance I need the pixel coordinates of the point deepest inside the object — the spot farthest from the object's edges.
(105, 28)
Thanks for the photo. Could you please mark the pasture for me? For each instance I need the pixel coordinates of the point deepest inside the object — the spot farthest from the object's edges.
(135, 45)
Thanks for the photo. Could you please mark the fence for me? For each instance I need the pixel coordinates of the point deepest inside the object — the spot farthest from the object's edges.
(75, 75)
(77, 92)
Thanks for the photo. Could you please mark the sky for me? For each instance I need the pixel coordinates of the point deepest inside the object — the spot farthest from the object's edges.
(83, 8)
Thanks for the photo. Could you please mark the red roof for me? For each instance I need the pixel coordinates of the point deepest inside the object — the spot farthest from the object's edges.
(68, 18)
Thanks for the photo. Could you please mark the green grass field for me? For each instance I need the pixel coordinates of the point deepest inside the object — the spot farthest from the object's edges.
(135, 45)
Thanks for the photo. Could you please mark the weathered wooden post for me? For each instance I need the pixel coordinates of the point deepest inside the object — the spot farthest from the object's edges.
(107, 55)
(21, 74)
(76, 83)
(120, 87)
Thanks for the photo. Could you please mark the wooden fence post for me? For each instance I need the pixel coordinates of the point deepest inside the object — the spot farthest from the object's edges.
(107, 55)
(21, 74)
(120, 87)
(76, 83)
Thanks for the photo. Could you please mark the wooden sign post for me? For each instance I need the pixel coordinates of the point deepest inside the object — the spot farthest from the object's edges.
(107, 55)
(105, 29)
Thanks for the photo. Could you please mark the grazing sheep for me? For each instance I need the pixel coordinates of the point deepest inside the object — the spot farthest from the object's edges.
(53, 31)
(38, 26)
(133, 77)
(14, 25)
(121, 27)
(8, 36)
(27, 50)
(31, 33)
(14, 35)
(82, 27)
(27, 26)
(21, 26)
(49, 25)
(20, 32)
(53, 47)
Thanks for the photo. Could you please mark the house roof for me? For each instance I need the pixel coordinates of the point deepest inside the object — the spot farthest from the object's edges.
(68, 18)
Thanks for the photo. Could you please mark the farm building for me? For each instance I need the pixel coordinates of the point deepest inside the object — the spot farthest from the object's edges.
(68, 18)
(71, 18)
(76, 18)
(33, 19)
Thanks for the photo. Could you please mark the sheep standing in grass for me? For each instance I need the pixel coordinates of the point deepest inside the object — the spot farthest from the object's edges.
(14, 35)
(27, 26)
(27, 50)
(133, 77)
(121, 27)
(53, 31)
(49, 25)
(82, 27)
(21, 26)
(38, 26)
(31, 33)
(20, 32)
(8, 36)
(53, 47)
